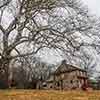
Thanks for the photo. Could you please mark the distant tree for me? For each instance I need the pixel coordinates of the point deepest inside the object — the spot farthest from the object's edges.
(27, 71)
(98, 81)
(19, 77)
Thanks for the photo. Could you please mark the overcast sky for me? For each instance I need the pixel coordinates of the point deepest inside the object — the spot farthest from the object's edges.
(94, 6)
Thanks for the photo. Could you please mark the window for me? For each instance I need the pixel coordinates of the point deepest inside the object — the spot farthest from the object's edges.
(62, 76)
(71, 81)
(50, 86)
(44, 85)
(77, 81)
(78, 73)
(81, 73)
(58, 84)
(85, 74)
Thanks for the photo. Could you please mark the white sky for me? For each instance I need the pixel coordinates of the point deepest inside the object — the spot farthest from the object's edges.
(94, 6)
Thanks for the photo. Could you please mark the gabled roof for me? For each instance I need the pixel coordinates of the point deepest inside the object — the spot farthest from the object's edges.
(67, 68)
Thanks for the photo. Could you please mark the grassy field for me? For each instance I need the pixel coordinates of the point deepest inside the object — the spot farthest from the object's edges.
(48, 95)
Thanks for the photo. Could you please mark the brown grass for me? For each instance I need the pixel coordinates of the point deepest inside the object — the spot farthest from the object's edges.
(48, 95)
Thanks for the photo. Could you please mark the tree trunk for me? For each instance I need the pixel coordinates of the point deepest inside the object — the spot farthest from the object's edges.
(5, 71)
(5, 59)
(6, 66)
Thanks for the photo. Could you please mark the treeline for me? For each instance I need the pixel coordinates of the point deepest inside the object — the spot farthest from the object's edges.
(26, 73)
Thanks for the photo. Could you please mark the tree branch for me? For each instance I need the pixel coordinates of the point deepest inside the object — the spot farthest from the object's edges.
(5, 4)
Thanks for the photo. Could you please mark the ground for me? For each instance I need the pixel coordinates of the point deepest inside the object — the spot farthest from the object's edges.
(48, 95)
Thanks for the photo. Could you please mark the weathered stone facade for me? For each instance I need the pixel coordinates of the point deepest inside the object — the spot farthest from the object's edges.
(67, 77)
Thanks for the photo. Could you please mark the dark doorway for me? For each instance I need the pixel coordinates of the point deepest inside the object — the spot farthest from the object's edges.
(62, 84)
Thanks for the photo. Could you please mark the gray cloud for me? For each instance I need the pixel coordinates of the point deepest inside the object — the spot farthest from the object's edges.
(94, 6)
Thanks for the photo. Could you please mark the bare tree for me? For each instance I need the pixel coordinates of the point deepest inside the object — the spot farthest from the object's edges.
(25, 18)
(37, 24)
(27, 71)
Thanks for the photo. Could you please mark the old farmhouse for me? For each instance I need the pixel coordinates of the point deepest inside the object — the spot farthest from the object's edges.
(67, 77)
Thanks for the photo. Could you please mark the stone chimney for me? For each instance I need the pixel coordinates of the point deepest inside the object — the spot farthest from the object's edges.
(63, 62)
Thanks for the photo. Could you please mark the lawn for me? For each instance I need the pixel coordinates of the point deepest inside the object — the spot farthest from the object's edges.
(48, 95)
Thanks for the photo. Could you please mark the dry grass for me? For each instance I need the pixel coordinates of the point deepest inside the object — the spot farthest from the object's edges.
(48, 95)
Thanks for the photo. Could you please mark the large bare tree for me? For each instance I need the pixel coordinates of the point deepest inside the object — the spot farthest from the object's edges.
(23, 29)
(37, 24)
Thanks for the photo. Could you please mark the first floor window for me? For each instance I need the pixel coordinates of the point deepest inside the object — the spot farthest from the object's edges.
(58, 84)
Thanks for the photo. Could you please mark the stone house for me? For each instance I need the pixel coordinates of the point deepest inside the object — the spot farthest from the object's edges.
(67, 77)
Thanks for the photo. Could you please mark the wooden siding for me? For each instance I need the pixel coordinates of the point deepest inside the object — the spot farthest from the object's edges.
(68, 77)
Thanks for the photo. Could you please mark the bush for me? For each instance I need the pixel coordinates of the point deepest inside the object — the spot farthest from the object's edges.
(3, 84)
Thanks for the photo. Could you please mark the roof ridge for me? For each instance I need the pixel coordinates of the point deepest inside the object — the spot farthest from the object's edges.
(68, 65)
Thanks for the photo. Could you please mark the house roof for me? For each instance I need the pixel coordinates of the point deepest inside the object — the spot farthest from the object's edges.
(67, 68)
